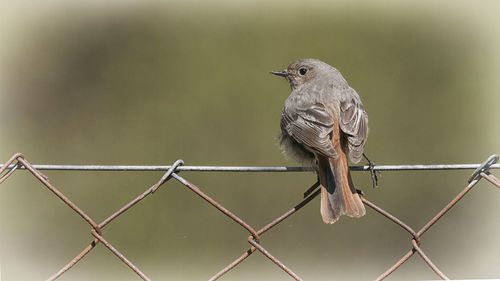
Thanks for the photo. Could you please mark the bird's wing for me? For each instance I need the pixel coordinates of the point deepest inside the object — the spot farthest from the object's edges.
(311, 127)
(354, 123)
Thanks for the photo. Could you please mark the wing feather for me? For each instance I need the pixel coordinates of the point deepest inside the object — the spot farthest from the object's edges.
(310, 127)
(354, 123)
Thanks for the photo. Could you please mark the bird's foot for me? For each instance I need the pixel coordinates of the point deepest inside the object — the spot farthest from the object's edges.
(373, 173)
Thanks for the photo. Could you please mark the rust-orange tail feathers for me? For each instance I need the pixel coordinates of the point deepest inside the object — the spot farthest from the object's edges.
(338, 195)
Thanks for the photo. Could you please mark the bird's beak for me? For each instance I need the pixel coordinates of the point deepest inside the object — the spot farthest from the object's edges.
(280, 73)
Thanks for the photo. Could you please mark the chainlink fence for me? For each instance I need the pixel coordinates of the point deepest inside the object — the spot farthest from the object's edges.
(17, 161)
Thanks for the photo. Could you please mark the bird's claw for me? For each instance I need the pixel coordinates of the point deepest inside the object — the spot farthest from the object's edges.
(373, 173)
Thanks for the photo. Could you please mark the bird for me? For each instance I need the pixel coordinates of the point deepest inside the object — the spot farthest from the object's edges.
(323, 121)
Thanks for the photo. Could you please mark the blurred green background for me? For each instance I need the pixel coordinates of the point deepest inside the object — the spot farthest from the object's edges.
(149, 82)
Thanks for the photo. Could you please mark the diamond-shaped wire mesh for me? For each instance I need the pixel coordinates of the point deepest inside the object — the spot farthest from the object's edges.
(18, 161)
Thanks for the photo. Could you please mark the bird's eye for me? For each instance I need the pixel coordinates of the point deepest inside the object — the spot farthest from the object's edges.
(302, 71)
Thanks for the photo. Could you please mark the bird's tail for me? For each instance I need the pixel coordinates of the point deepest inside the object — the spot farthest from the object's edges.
(338, 195)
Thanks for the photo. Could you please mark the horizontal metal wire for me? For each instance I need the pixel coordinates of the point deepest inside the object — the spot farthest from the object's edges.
(251, 168)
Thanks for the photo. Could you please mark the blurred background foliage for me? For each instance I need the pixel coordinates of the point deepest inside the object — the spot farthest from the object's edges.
(149, 82)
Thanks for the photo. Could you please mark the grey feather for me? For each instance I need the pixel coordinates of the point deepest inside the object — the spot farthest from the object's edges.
(310, 127)
(354, 123)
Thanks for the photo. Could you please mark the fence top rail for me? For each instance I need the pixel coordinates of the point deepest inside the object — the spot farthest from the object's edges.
(251, 168)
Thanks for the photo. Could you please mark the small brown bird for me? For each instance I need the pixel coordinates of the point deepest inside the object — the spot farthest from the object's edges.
(322, 122)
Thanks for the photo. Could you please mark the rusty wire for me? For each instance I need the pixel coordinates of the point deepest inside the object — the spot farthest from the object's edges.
(18, 161)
